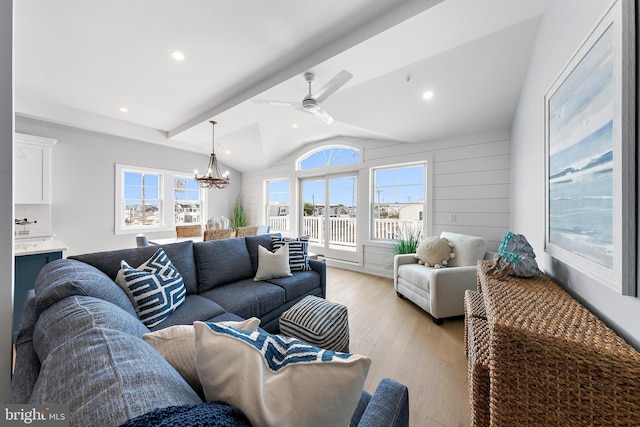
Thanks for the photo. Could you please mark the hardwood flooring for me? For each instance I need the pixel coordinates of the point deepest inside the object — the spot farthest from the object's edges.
(405, 344)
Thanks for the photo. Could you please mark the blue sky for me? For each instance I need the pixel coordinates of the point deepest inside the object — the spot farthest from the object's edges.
(133, 188)
(398, 185)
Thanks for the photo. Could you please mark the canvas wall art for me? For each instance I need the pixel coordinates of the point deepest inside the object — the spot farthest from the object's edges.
(590, 140)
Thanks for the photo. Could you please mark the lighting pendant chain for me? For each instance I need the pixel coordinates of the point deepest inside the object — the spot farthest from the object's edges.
(212, 177)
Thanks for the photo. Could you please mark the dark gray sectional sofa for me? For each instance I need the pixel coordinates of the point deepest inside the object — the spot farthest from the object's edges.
(218, 276)
(80, 341)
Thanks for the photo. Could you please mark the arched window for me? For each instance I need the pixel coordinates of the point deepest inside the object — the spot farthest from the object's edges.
(329, 156)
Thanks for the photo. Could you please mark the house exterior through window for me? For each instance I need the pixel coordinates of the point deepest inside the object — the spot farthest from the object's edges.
(155, 200)
(278, 205)
(398, 201)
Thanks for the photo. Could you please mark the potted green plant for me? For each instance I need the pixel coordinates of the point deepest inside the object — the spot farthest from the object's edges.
(239, 217)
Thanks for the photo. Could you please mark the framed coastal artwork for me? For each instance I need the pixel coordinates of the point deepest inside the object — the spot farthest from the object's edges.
(590, 155)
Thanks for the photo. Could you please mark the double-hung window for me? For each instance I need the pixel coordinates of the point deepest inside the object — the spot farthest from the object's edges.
(278, 205)
(155, 200)
(398, 201)
(187, 200)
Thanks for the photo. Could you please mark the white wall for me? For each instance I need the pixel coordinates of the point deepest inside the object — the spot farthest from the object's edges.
(564, 26)
(6, 195)
(83, 183)
(470, 178)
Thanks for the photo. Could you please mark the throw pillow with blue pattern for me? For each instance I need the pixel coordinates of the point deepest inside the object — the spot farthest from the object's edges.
(298, 251)
(155, 288)
(277, 380)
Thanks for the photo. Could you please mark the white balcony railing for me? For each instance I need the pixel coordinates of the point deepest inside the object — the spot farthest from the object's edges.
(342, 230)
(279, 223)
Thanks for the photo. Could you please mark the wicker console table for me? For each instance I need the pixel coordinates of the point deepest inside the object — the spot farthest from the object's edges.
(537, 357)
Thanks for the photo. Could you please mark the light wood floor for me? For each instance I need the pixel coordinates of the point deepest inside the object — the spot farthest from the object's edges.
(405, 344)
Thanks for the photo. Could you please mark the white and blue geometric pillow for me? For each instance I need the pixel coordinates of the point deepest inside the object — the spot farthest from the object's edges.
(298, 251)
(277, 380)
(156, 288)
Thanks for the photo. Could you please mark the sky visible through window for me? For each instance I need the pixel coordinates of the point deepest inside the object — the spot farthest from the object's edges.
(186, 189)
(398, 186)
(334, 156)
(141, 185)
(279, 192)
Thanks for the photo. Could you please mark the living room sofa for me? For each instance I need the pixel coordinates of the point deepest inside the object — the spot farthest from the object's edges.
(80, 340)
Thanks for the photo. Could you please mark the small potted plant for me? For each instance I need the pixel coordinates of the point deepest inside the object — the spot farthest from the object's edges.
(408, 239)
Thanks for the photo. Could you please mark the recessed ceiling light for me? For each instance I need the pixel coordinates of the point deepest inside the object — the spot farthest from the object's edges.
(227, 151)
(427, 95)
(177, 55)
(294, 126)
(124, 110)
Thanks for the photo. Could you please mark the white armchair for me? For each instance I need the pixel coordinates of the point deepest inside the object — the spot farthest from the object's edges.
(440, 291)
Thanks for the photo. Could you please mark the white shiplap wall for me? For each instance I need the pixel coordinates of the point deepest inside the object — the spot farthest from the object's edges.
(469, 181)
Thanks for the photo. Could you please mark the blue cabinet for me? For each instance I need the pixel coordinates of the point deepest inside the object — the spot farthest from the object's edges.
(27, 268)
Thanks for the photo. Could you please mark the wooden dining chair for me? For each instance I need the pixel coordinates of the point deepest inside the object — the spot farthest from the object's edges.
(220, 233)
(188, 230)
(251, 230)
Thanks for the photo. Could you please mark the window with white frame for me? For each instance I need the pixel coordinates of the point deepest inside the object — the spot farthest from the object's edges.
(330, 156)
(398, 201)
(278, 205)
(187, 200)
(155, 200)
(142, 202)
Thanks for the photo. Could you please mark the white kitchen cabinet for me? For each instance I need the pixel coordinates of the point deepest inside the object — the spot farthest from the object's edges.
(32, 169)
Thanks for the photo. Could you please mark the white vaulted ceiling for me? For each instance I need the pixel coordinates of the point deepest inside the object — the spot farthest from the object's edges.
(78, 61)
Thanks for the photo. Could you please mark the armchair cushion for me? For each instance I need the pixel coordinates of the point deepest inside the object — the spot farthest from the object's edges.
(468, 249)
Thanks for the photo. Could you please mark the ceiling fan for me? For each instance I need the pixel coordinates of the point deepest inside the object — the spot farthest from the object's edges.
(311, 103)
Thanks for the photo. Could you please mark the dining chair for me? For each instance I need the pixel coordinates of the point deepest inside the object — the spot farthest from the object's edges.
(188, 230)
(251, 230)
(263, 229)
(217, 234)
(141, 240)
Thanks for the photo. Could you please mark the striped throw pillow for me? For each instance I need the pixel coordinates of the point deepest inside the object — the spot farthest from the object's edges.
(298, 251)
(155, 288)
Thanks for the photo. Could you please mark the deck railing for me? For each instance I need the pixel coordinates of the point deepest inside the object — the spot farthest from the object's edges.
(279, 223)
(342, 230)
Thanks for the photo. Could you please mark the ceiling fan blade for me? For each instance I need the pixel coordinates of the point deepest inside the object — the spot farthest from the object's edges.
(277, 103)
(333, 85)
(320, 112)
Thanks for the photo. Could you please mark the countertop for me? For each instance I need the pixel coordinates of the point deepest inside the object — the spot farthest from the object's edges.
(35, 235)
(39, 247)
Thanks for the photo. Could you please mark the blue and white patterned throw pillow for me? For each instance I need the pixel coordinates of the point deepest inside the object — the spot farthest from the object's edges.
(298, 251)
(277, 380)
(156, 288)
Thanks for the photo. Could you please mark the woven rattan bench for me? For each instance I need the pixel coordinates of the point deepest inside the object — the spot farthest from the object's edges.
(478, 367)
(551, 361)
(473, 308)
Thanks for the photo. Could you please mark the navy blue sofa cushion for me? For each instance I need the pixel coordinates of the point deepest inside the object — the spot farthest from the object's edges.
(180, 254)
(220, 262)
(253, 242)
(248, 298)
(300, 284)
(193, 307)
